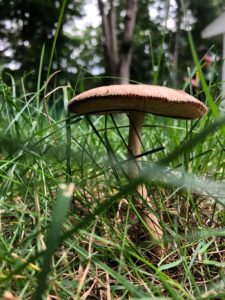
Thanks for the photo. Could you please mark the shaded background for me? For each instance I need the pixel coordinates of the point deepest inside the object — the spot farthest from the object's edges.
(160, 32)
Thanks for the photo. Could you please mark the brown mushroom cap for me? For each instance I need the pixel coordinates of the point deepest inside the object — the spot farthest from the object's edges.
(134, 97)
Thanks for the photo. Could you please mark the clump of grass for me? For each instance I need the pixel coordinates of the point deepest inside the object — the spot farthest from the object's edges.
(100, 249)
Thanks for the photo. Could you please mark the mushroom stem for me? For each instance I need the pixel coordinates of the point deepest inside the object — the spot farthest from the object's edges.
(134, 146)
(134, 143)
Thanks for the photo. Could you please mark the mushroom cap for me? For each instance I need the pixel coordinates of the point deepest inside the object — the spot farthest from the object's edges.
(153, 99)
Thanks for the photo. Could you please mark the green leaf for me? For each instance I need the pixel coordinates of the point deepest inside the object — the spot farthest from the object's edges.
(170, 265)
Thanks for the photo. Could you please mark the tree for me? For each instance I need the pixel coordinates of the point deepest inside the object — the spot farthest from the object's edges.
(118, 54)
(26, 25)
(177, 42)
(160, 61)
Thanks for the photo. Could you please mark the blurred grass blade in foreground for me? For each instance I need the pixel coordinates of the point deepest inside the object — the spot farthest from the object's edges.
(53, 236)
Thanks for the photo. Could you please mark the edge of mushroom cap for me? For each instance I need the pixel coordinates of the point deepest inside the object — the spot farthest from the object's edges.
(147, 98)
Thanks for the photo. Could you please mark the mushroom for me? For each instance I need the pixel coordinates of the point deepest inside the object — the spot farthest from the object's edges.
(137, 100)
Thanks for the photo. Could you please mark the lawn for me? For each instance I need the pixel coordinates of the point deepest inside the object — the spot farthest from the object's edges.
(69, 228)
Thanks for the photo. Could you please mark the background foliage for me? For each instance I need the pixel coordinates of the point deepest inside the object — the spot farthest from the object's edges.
(25, 26)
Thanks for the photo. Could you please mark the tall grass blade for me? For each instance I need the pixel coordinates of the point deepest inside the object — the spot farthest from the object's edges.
(39, 75)
(53, 236)
(205, 87)
(56, 35)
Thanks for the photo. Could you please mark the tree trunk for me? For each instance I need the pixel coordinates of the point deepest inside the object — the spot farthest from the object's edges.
(117, 61)
(126, 48)
(110, 42)
(177, 44)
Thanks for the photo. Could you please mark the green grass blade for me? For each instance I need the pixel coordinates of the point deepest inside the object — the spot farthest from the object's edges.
(202, 79)
(56, 35)
(53, 236)
(39, 75)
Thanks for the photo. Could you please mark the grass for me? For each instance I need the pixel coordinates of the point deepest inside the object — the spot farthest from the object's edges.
(91, 244)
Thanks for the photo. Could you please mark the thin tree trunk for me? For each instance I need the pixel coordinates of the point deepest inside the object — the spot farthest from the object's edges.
(126, 48)
(177, 44)
(110, 42)
(117, 60)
